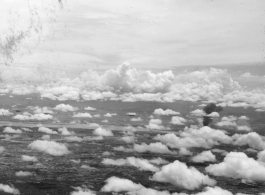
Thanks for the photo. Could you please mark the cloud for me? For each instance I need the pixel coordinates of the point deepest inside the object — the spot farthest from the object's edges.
(153, 148)
(177, 120)
(158, 161)
(102, 132)
(28, 116)
(23, 174)
(205, 156)
(65, 108)
(47, 130)
(178, 174)
(197, 112)
(74, 139)
(235, 165)
(81, 115)
(50, 147)
(215, 191)
(2, 149)
(89, 108)
(141, 164)
(123, 149)
(213, 114)
(29, 158)
(82, 191)
(252, 139)
(115, 184)
(131, 114)
(128, 139)
(64, 131)
(174, 141)
(44, 110)
(156, 124)
(136, 119)
(11, 130)
(4, 112)
(165, 112)
(8, 189)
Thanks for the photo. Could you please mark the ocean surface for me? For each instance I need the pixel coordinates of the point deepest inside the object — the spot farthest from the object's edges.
(58, 175)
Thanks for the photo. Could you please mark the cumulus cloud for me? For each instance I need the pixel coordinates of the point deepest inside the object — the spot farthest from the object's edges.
(9, 189)
(102, 132)
(252, 139)
(82, 191)
(64, 131)
(11, 130)
(2, 149)
(156, 124)
(141, 164)
(23, 174)
(178, 174)
(131, 114)
(197, 112)
(81, 115)
(216, 191)
(65, 108)
(28, 116)
(173, 141)
(74, 139)
(158, 161)
(238, 165)
(157, 147)
(235, 123)
(39, 110)
(47, 130)
(128, 139)
(89, 108)
(50, 147)
(213, 114)
(166, 112)
(115, 184)
(29, 158)
(122, 149)
(205, 156)
(4, 112)
(136, 119)
(177, 120)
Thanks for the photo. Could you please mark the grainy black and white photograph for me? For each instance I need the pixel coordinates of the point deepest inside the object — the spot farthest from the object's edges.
(132, 97)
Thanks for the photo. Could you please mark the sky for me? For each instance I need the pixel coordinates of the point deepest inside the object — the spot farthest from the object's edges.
(77, 35)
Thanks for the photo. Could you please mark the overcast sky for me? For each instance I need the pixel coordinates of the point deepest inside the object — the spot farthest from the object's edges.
(149, 34)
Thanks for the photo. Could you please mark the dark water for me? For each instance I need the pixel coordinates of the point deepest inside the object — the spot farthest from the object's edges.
(57, 175)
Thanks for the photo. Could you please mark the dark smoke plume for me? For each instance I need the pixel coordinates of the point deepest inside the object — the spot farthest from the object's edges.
(208, 109)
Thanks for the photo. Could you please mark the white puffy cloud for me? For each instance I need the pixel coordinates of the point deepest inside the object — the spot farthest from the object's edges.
(74, 139)
(8, 189)
(136, 119)
(234, 123)
(198, 112)
(238, 165)
(89, 108)
(102, 132)
(157, 147)
(173, 141)
(166, 112)
(23, 174)
(28, 116)
(47, 130)
(131, 114)
(214, 114)
(4, 112)
(158, 161)
(251, 139)
(178, 174)
(141, 164)
(64, 131)
(82, 191)
(50, 147)
(205, 156)
(65, 108)
(156, 124)
(177, 120)
(122, 149)
(81, 115)
(115, 184)
(128, 139)
(39, 110)
(215, 191)
(29, 158)
(11, 130)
